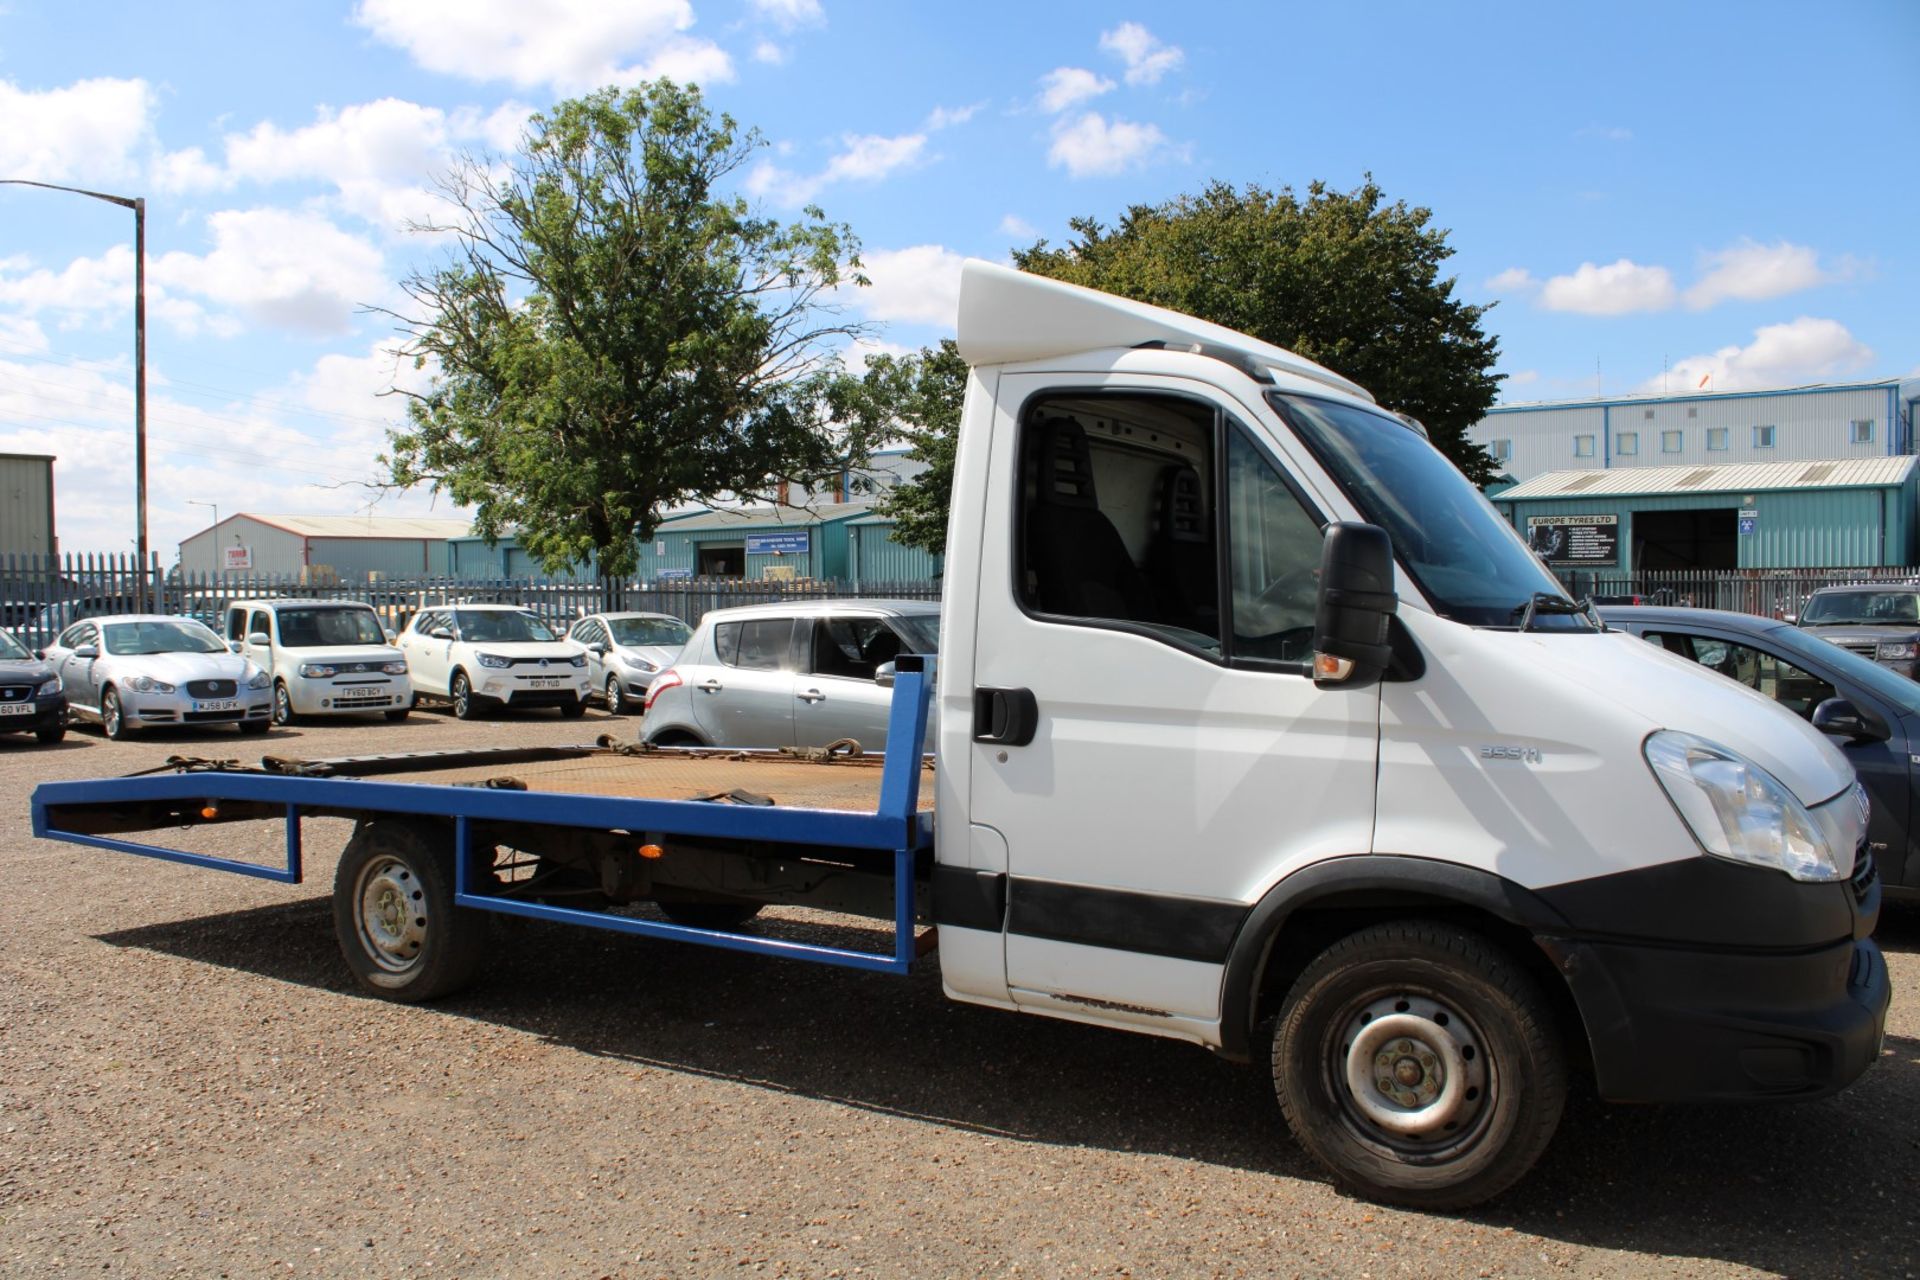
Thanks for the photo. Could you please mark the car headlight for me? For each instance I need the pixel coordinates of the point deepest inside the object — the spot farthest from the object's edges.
(578, 660)
(639, 664)
(1889, 651)
(48, 689)
(147, 684)
(1739, 811)
(260, 680)
(395, 668)
(317, 670)
(493, 660)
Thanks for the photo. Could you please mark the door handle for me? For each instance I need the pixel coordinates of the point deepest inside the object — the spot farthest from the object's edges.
(1007, 716)
(811, 695)
(709, 686)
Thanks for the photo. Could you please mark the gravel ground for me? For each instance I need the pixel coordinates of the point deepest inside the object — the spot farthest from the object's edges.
(192, 1087)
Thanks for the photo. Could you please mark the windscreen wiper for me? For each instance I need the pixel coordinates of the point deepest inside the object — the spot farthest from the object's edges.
(1545, 602)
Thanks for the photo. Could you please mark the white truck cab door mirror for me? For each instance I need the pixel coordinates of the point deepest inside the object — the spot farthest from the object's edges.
(1356, 605)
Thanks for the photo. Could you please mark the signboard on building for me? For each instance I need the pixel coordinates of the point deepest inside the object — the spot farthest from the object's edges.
(674, 575)
(1575, 541)
(1749, 521)
(232, 558)
(778, 573)
(779, 544)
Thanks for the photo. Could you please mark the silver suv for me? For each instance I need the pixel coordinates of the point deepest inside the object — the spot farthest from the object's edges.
(785, 675)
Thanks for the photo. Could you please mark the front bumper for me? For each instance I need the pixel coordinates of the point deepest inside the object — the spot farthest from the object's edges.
(43, 713)
(350, 695)
(150, 710)
(513, 692)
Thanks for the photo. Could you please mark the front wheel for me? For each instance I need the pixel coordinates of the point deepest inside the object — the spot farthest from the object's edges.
(394, 917)
(255, 726)
(573, 710)
(51, 734)
(397, 714)
(1420, 1065)
(283, 712)
(113, 717)
(616, 697)
(465, 705)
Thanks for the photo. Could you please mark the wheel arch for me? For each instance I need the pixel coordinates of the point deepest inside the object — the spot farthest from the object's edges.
(1309, 910)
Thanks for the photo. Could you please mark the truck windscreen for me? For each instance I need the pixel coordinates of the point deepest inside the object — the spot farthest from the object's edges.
(1469, 562)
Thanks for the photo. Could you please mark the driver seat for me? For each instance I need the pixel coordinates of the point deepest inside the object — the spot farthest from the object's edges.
(1077, 565)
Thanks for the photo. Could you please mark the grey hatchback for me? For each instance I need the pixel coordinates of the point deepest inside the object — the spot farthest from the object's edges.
(787, 675)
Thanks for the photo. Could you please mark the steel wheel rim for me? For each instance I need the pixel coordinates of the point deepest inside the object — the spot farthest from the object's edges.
(390, 914)
(1412, 1075)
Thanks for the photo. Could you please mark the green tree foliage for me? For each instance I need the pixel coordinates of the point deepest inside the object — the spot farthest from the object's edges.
(923, 393)
(614, 335)
(1342, 278)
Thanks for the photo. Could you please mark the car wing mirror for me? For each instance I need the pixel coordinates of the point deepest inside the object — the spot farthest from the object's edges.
(1842, 719)
(883, 675)
(387, 634)
(87, 651)
(260, 638)
(235, 646)
(1355, 607)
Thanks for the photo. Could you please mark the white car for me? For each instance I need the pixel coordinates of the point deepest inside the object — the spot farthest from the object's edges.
(477, 656)
(626, 650)
(141, 670)
(326, 657)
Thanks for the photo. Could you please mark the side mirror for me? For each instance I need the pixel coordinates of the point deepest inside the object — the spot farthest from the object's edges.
(883, 675)
(235, 646)
(1357, 603)
(599, 648)
(1842, 719)
(260, 638)
(87, 651)
(387, 632)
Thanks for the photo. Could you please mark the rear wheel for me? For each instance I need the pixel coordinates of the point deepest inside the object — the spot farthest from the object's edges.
(283, 712)
(465, 704)
(113, 717)
(616, 697)
(709, 915)
(1420, 1065)
(394, 916)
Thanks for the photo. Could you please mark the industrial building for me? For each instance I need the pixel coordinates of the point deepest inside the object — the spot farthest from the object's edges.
(26, 505)
(1836, 513)
(843, 542)
(322, 549)
(1704, 429)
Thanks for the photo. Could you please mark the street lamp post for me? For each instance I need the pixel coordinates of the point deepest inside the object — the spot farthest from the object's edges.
(139, 206)
(214, 541)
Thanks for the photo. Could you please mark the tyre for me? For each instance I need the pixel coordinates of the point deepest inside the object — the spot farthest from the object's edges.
(572, 710)
(283, 712)
(394, 916)
(709, 915)
(465, 705)
(676, 738)
(1420, 1065)
(113, 717)
(255, 727)
(398, 714)
(51, 734)
(616, 697)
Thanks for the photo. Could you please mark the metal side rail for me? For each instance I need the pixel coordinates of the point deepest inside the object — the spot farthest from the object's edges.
(896, 825)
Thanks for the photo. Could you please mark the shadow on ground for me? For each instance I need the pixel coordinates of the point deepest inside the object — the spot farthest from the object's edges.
(1818, 1188)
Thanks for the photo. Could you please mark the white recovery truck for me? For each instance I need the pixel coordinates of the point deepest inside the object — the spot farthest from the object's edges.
(1257, 728)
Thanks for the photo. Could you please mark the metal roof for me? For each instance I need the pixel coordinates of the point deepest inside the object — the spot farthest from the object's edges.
(762, 517)
(433, 528)
(1747, 477)
(1697, 397)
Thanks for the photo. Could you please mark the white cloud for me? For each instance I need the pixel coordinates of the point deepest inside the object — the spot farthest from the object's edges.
(788, 14)
(1612, 290)
(1753, 272)
(1064, 87)
(85, 289)
(564, 45)
(178, 172)
(1802, 350)
(1019, 228)
(865, 158)
(1512, 280)
(87, 131)
(295, 271)
(918, 285)
(22, 336)
(1090, 146)
(950, 117)
(770, 53)
(1522, 378)
(1147, 59)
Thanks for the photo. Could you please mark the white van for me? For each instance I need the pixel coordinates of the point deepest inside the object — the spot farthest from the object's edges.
(327, 657)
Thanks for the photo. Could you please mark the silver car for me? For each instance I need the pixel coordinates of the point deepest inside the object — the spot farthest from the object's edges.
(142, 670)
(626, 650)
(784, 675)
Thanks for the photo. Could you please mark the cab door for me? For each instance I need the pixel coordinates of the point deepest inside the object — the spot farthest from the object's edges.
(77, 674)
(1147, 739)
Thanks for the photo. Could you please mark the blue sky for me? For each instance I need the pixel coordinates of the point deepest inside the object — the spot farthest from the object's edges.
(1651, 193)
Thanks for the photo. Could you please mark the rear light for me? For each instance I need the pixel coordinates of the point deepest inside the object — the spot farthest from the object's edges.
(661, 683)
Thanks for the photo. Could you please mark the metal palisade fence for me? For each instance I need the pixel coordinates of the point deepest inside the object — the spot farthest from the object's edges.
(41, 596)
(1766, 593)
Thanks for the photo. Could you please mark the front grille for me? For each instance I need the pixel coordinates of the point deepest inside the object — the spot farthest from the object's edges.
(1864, 649)
(212, 688)
(560, 664)
(1865, 875)
(16, 692)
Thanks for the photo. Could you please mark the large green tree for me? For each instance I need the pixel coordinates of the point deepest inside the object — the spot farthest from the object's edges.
(614, 334)
(923, 393)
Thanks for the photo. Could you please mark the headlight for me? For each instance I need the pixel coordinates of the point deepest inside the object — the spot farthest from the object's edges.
(395, 668)
(147, 684)
(638, 664)
(1886, 652)
(494, 660)
(1738, 811)
(48, 689)
(317, 670)
(260, 680)
(578, 660)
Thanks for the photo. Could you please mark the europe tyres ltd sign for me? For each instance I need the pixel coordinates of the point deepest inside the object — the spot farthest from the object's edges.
(1575, 541)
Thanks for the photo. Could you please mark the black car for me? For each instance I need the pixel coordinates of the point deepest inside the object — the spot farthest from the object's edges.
(1870, 713)
(1877, 622)
(31, 699)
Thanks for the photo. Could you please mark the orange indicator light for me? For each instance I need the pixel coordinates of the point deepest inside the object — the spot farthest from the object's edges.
(651, 851)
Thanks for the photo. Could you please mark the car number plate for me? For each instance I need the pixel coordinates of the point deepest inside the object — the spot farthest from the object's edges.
(546, 682)
(219, 704)
(16, 708)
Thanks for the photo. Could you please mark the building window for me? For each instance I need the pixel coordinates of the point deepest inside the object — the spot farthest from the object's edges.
(1502, 450)
(1717, 439)
(1583, 446)
(1649, 415)
(1626, 443)
(1693, 413)
(1763, 437)
(1669, 442)
(1862, 431)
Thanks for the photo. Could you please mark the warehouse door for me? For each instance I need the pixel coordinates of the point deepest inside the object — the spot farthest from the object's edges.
(1702, 539)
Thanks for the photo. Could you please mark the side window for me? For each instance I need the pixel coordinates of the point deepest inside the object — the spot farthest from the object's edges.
(76, 635)
(235, 628)
(852, 647)
(763, 644)
(1798, 690)
(726, 642)
(1273, 547)
(260, 623)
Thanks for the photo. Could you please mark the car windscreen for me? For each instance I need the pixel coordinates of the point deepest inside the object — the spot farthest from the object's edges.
(499, 626)
(1468, 561)
(325, 628)
(13, 649)
(1861, 608)
(921, 631)
(128, 639)
(1850, 666)
(641, 632)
